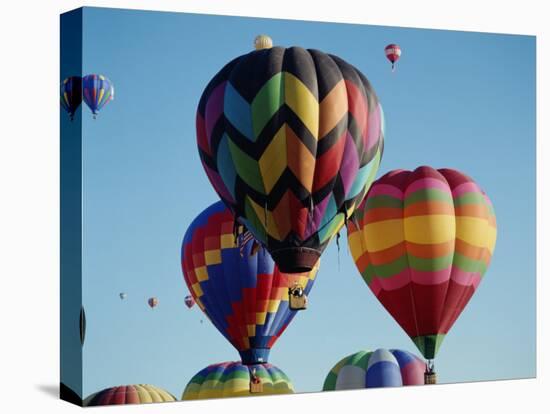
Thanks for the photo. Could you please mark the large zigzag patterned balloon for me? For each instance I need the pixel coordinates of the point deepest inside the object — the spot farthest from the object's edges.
(291, 140)
(242, 292)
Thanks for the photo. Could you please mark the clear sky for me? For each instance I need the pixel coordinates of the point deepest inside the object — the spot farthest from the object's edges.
(458, 100)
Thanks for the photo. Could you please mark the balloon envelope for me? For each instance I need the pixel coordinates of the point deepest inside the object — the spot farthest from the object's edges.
(82, 325)
(129, 394)
(393, 53)
(291, 140)
(263, 42)
(189, 301)
(422, 241)
(71, 94)
(122, 295)
(380, 368)
(232, 379)
(243, 293)
(153, 302)
(97, 92)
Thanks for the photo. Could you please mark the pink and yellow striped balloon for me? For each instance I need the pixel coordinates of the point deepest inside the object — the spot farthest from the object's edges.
(422, 241)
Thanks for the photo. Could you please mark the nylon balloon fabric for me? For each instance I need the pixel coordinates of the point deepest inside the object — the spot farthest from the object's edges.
(241, 290)
(97, 91)
(422, 241)
(371, 369)
(291, 140)
(71, 94)
(232, 379)
(129, 394)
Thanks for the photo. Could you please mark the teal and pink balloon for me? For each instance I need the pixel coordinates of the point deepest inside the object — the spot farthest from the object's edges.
(71, 94)
(97, 92)
(381, 368)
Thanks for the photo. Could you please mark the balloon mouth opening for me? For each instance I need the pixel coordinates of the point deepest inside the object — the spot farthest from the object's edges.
(255, 356)
(295, 259)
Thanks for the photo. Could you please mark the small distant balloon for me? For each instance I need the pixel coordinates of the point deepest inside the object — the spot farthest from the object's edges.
(122, 295)
(153, 302)
(189, 301)
(393, 53)
(71, 94)
(263, 42)
(97, 91)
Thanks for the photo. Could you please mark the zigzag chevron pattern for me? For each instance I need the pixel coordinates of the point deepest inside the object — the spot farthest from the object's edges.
(291, 140)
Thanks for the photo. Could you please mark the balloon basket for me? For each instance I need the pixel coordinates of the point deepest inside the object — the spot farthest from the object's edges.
(256, 387)
(430, 377)
(297, 299)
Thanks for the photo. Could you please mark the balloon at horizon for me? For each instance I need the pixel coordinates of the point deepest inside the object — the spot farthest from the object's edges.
(237, 284)
(129, 394)
(380, 368)
(232, 379)
(422, 240)
(291, 140)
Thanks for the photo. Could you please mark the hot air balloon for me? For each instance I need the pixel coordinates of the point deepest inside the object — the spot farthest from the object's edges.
(97, 91)
(381, 368)
(393, 53)
(291, 140)
(82, 325)
(153, 302)
(244, 295)
(422, 241)
(71, 94)
(129, 394)
(122, 295)
(263, 42)
(233, 379)
(189, 301)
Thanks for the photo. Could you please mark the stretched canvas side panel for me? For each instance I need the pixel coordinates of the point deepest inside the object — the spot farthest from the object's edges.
(72, 318)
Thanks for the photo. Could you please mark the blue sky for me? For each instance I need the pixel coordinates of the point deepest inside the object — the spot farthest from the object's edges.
(458, 100)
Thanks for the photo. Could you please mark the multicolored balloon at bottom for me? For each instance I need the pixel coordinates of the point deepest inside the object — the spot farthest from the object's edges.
(233, 379)
(381, 368)
(129, 394)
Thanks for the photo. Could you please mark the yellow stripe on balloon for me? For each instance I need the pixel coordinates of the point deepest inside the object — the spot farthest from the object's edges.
(430, 229)
(383, 234)
(251, 330)
(273, 161)
(273, 305)
(355, 243)
(143, 395)
(476, 231)
(236, 387)
(101, 93)
(299, 98)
